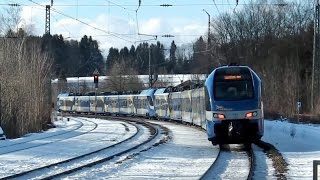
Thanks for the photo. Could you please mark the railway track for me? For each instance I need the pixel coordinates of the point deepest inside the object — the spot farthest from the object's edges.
(229, 161)
(278, 161)
(45, 137)
(93, 158)
(24, 145)
(227, 164)
(34, 162)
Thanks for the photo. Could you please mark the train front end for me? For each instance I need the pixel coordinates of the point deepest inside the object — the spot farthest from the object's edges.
(234, 110)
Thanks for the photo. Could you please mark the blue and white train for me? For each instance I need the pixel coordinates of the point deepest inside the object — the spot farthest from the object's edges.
(234, 108)
(229, 106)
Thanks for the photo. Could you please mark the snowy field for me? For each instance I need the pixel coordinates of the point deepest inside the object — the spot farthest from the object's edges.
(186, 155)
(298, 143)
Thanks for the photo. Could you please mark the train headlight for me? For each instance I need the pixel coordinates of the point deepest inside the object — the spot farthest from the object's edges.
(251, 114)
(219, 116)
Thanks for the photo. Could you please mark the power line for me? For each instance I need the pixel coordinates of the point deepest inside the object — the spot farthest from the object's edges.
(96, 28)
(153, 5)
(62, 25)
(126, 9)
(10, 4)
(121, 6)
(214, 2)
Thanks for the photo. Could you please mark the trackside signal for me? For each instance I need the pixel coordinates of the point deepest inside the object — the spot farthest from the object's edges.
(96, 78)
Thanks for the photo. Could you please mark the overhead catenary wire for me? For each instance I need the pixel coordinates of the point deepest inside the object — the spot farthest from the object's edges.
(121, 6)
(214, 2)
(128, 10)
(125, 6)
(85, 23)
(64, 27)
(153, 5)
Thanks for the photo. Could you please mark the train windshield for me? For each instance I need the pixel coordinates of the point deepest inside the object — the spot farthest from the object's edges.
(232, 84)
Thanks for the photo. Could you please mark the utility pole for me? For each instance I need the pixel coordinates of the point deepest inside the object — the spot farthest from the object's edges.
(47, 26)
(208, 45)
(150, 75)
(315, 84)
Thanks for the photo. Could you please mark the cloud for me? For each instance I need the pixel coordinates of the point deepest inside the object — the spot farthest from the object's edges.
(151, 26)
(108, 29)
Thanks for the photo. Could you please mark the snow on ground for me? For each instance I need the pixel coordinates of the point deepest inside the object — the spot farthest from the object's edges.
(107, 133)
(141, 136)
(186, 156)
(62, 126)
(298, 143)
(264, 168)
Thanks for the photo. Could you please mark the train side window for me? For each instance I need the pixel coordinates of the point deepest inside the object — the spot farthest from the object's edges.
(207, 99)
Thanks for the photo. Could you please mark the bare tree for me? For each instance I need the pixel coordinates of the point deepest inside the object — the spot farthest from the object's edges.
(276, 42)
(25, 86)
(123, 78)
(10, 19)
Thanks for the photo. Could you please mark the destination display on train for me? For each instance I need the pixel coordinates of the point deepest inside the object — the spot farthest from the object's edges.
(232, 77)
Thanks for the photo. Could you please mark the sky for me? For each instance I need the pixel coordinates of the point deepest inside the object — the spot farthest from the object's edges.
(119, 23)
(116, 23)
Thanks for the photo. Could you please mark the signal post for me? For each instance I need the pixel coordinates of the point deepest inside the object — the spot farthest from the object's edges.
(96, 81)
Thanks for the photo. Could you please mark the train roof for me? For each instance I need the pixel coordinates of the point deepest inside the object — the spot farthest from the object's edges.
(148, 92)
(232, 66)
(160, 91)
(62, 95)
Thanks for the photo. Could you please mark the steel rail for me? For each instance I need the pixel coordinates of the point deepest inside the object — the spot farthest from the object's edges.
(71, 159)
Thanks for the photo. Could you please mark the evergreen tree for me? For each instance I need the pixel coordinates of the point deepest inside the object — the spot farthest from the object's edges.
(113, 57)
(90, 57)
(172, 57)
(132, 57)
(200, 58)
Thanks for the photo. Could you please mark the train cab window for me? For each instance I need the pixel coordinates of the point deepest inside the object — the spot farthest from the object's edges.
(234, 84)
(207, 99)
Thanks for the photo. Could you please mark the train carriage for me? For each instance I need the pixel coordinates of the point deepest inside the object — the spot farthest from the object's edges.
(161, 104)
(198, 107)
(111, 104)
(83, 104)
(186, 105)
(175, 105)
(126, 106)
(143, 103)
(97, 107)
(65, 103)
(234, 111)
